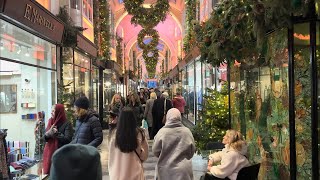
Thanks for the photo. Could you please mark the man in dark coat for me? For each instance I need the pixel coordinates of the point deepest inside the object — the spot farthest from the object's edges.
(158, 112)
(88, 127)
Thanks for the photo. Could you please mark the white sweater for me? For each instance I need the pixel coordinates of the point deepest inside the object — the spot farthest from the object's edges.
(232, 161)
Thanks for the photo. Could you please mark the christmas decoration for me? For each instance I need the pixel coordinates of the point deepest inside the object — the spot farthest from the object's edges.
(70, 30)
(119, 51)
(214, 115)
(237, 28)
(147, 17)
(148, 32)
(189, 40)
(104, 28)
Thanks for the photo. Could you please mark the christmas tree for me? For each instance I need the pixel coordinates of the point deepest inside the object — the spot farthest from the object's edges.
(214, 122)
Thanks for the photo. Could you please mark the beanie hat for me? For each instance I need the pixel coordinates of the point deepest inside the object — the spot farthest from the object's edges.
(173, 115)
(76, 162)
(82, 102)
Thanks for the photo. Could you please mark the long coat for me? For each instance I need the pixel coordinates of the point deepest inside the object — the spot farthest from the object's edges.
(148, 112)
(124, 166)
(174, 145)
(157, 114)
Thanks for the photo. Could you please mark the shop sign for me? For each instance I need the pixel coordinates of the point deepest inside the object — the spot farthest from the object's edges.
(33, 15)
(86, 45)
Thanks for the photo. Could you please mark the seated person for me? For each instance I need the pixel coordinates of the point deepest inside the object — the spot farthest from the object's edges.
(232, 158)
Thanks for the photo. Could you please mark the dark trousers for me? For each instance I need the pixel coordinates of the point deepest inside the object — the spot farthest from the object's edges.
(209, 176)
(150, 133)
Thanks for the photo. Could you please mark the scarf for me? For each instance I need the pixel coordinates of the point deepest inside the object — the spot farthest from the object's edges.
(52, 143)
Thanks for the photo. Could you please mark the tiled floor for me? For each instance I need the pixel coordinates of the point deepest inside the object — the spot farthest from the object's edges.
(198, 163)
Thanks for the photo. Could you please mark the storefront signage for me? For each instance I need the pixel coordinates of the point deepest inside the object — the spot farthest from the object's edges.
(86, 45)
(32, 14)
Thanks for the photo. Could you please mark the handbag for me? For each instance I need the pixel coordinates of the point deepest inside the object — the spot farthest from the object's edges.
(164, 119)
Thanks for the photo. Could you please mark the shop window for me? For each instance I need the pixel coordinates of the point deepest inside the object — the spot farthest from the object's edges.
(260, 106)
(302, 104)
(75, 4)
(87, 9)
(22, 46)
(24, 91)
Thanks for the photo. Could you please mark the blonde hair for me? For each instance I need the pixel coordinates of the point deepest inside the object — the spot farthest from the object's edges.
(114, 97)
(236, 139)
(153, 95)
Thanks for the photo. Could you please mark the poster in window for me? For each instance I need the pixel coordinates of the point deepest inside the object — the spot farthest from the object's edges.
(8, 98)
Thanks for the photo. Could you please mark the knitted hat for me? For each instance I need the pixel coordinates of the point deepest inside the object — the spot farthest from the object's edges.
(76, 162)
(82, 102)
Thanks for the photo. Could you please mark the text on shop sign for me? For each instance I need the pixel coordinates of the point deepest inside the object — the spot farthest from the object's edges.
(32, 15)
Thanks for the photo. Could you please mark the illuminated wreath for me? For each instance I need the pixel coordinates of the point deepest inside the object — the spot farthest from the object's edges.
(148, 32)
(147, 17)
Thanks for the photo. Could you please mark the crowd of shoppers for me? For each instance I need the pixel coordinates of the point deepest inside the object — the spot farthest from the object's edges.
(73, 155)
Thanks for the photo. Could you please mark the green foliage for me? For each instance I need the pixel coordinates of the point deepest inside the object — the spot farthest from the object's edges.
(236, 29)
(189, 40)
(119, 50)
(214, 115)
(104, 28)
(70, 30)
(66, 98)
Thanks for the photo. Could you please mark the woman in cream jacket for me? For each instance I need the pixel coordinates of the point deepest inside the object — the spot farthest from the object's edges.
(232, 158)
(128, 148)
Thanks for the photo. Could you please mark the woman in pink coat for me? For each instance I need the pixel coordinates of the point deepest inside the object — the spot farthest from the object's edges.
(128, 148)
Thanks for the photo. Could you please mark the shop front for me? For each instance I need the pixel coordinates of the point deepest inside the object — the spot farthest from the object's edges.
(79, 73)
(29, 39)
(275, 103)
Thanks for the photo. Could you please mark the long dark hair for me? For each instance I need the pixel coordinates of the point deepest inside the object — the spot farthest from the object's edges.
(127, 131)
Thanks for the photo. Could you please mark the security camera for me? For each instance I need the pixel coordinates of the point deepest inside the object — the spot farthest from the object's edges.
(27, 80)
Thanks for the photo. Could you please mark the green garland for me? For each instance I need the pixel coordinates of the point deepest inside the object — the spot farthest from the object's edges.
(147, 17)
(148, 32)
(189, 39)
(236, 29)
(104, 50)
(119, 50)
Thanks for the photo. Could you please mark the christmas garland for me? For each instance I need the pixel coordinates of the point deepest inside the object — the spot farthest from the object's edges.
(154, 42)
(236, 29)
(147, 17)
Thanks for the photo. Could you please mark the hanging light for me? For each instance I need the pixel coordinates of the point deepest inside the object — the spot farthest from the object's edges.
(27, 53)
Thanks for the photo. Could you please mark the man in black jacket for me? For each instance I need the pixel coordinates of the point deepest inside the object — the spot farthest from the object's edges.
(88, 128)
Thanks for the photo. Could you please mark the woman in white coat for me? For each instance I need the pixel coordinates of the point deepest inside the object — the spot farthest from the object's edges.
(174, 145)
(231, 159)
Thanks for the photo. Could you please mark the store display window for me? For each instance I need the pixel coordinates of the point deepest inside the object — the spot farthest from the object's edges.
(21, 46)
(81, 74)
(26, 88)
(260, 106)
(190, 92)
(95, 88)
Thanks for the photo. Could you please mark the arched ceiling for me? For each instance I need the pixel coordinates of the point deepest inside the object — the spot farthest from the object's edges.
(170, 30)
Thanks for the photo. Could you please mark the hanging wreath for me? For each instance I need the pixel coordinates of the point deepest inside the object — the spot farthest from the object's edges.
(148, 32)
(154, 53)
(147, 17)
